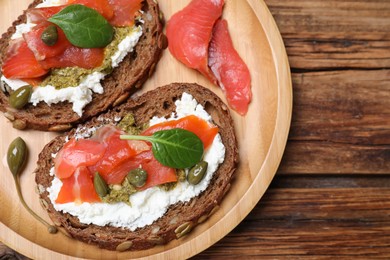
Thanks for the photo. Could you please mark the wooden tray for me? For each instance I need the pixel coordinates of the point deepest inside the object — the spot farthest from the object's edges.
(261, 134)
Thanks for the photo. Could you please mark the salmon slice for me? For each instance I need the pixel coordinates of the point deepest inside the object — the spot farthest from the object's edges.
(101, 6)
(125, 12)
(78, 188)
(205, 131)
(75, 57)
(157, 173)
(230, 70)
(34, 81)
(189, 33)
(39, 48)
(38, 15)
(117, 152)
(75, 154)
(20, 62)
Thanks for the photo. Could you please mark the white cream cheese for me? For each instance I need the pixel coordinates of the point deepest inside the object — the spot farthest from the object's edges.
(151, 204)
(80, 95)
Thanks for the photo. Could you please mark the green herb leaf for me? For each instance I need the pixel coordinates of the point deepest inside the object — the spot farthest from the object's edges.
(175, 148)
(84, 27)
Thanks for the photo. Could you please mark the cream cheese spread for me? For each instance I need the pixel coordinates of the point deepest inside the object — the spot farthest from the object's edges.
(150, 204)
(80, 95)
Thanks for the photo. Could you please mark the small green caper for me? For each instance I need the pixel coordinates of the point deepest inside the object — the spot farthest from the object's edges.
(50, 35)
(100, 185)
(137, 177)
(16, 155)
(20, 97)
(196, 174)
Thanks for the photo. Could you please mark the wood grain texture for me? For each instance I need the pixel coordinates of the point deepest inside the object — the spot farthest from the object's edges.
(329, 198)
(334, 34)
(268, 121)
(313, 222)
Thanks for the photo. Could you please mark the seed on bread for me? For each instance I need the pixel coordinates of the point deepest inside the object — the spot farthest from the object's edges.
(202, 219)
(184, 229)
(213, 210)
(10, 116)
(156, 240)
(124, 246)
(60, 128)
(122, 98)
(19, 124)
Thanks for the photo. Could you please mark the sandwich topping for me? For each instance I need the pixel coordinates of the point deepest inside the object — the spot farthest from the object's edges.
(66, 59)
(103, 178)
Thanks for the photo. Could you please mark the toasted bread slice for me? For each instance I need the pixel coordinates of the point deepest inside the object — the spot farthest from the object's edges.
(118, 86)
(180, 217)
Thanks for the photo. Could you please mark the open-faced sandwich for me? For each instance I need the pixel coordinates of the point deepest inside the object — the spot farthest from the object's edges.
(142, 174)
(64, 61)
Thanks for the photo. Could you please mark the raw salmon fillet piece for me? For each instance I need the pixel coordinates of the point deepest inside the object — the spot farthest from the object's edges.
(230, 70)
(189, 33)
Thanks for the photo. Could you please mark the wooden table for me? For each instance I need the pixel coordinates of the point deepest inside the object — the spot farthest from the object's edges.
(331, 195)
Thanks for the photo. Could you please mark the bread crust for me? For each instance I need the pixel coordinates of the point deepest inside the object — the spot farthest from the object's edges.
(158, 102)
(132, 72)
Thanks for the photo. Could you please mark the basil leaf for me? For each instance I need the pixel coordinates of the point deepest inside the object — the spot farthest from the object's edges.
(84, 27)
(175, 148)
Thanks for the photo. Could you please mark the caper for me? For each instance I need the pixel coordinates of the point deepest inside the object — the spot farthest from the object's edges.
(137, 177)
(100, 185)
(16, 158)
(16, 155)
(196, 174)
(50, 35)
(20, 97)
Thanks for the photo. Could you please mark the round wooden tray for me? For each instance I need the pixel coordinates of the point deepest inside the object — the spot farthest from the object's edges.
(261, 134)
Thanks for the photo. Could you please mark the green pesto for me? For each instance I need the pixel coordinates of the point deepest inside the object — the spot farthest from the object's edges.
(181, 176)
(121, 195)
(128, 125)
(72, 76)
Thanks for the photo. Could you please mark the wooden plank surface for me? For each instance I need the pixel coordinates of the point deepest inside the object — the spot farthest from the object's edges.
(267, 121)
(330, 197)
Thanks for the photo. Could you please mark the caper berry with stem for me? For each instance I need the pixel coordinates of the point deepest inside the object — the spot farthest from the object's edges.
(196, 174)
(137, 177)
(16, 155)
(20, 97)
(16, 158)
(50, 35)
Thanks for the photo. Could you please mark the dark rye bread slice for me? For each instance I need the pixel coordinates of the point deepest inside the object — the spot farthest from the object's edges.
(181, 217)
(118, 86)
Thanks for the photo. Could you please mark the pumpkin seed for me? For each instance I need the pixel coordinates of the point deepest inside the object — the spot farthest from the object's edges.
(124, 246)
(19, 124)
(184, 229)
